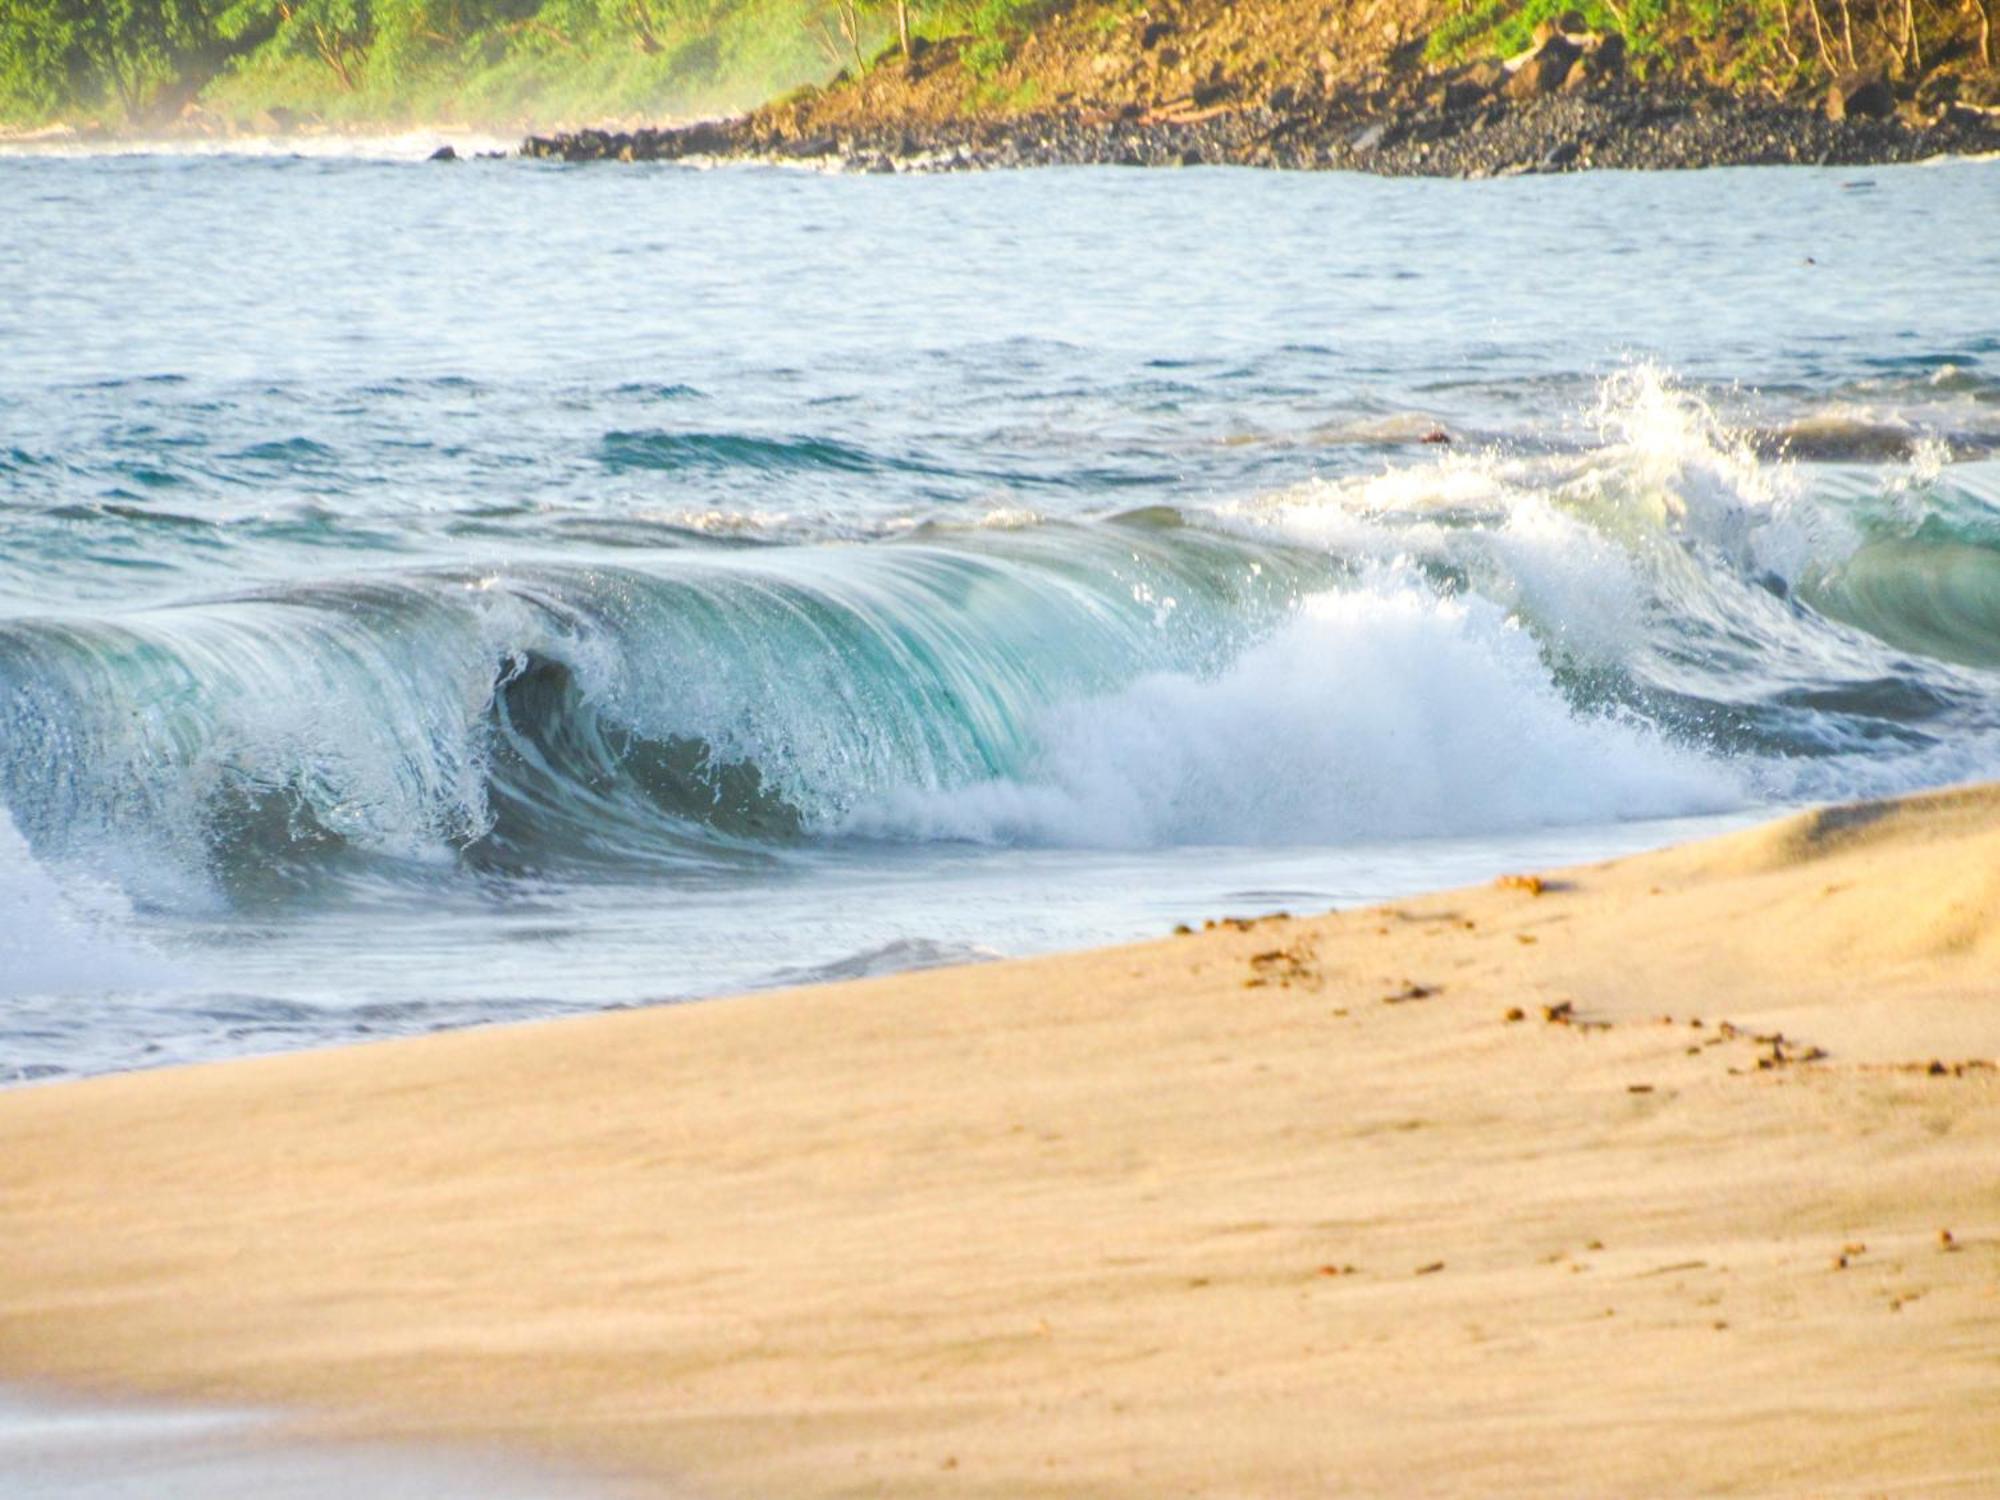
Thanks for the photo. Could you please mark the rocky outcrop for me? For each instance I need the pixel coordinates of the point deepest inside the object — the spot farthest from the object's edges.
(1319, 84)
(1864, 95)
(1463, 124)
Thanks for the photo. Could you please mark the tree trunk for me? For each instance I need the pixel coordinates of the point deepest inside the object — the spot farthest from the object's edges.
(850, 22)
(333, 52)
(903, 26)
(1819, 36)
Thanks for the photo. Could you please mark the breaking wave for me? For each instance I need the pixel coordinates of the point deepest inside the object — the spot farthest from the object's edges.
(1661, 619)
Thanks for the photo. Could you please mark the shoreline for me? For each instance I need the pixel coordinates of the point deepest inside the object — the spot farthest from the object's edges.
(1464, 135)
(1628, 129)
(1666, 1173)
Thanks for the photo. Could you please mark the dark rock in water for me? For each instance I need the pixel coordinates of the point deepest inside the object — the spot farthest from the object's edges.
(1559, 157)
(1545, 70)
(444, 153)
(1861, 96)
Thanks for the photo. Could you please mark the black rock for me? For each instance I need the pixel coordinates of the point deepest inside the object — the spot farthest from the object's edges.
(1861, 96)
(1546, 69)
(444, 153)
(1463, 93)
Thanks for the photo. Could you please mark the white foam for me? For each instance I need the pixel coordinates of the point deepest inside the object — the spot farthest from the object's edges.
(1387, 712)
(62, 935)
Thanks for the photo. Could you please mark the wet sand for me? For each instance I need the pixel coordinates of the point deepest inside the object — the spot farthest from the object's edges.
(1673, 1175)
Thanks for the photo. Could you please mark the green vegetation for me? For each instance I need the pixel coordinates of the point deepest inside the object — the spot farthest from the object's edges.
(127, 62)
(1756, 34)
(387, 61)
(1771, 43)
(994, 29)
(142, 63)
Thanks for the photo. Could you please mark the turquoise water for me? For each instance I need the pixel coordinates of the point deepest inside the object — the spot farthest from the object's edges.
(440, 594)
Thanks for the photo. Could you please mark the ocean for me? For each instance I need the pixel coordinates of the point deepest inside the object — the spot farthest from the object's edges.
(434, 594)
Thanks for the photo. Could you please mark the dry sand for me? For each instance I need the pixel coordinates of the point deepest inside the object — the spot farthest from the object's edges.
(1286, 1209)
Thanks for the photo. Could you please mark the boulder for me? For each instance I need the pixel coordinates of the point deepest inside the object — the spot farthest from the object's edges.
(1606, 60)
(1462, 94)
(444, 153)
(1473, 86)
(1544, 70)
(1865, 95)
(1488, 74)
(1602, 63)
(1972, 116)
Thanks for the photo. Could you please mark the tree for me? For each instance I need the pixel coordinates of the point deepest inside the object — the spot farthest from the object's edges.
(65, 54)
(337, 32)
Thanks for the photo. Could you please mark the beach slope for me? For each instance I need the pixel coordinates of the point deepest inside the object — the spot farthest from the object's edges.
(1672, 1175)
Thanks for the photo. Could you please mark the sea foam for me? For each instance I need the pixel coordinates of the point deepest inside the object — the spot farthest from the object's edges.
(64, 935)
(1385, 712)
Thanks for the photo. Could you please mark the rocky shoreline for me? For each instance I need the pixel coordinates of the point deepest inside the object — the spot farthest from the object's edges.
(1566, 104)
(1622, 128)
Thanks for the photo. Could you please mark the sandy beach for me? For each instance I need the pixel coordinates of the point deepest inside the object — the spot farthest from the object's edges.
(1675, 1175)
